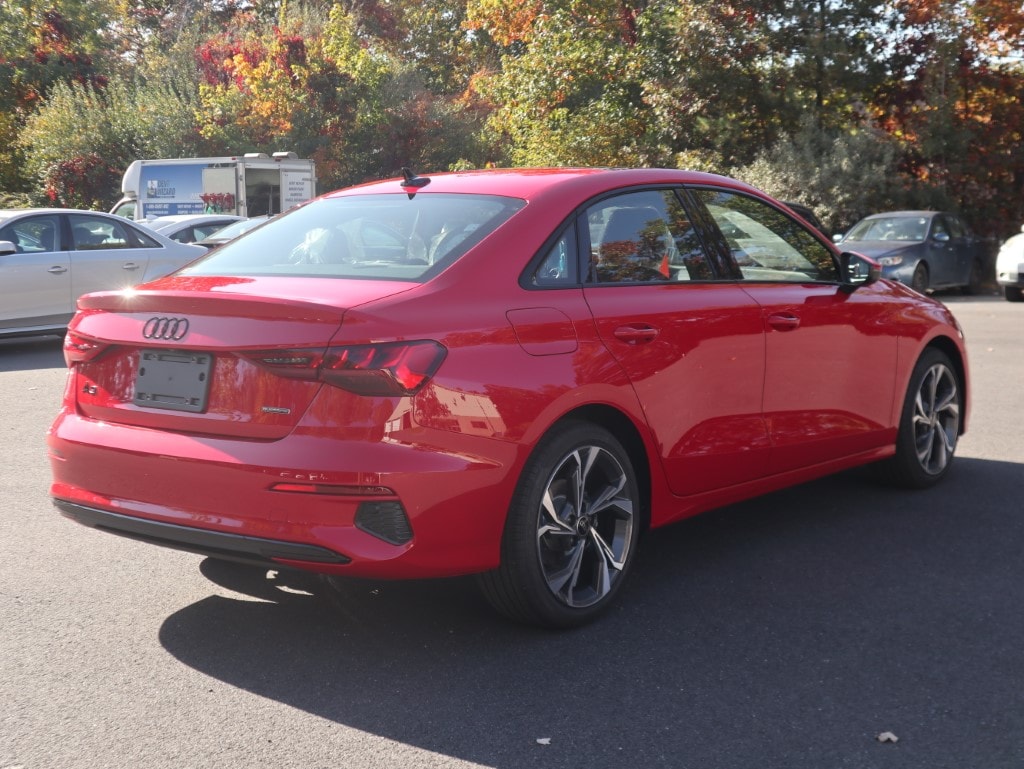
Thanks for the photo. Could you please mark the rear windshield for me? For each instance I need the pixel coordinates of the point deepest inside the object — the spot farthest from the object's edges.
(383, 237)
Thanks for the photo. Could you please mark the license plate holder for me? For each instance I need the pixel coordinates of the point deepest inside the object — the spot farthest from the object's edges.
(173, 379)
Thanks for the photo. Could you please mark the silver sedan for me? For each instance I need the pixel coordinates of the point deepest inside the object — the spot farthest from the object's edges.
(51, 256)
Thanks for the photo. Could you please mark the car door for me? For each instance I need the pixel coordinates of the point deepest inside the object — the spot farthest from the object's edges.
(692, 345)
(963, 244)
(36, 280)
(830, 358)
(942, 253)
(106, 254)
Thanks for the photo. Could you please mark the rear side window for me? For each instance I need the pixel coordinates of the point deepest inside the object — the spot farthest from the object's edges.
(558, 267)
(765, 243)
(94, 233)
(383, 237)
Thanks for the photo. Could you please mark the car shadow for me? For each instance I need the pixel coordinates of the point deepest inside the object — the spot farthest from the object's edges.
(31, 353)
(788, 631)
(956, 296)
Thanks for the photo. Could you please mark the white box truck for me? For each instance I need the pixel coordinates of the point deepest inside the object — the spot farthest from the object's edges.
(245, 185)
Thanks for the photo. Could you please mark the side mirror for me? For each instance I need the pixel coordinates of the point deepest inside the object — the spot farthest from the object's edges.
(941, 237)
(7, 247)
(858, 270)
(838, 237)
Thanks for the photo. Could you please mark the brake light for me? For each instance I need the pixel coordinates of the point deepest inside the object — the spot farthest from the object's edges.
(78, 349)
(389, 369)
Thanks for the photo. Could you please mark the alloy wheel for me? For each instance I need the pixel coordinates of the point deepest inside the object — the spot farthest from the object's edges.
(936, 419)
(585, 526)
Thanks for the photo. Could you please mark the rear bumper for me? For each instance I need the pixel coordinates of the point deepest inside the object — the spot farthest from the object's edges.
(218, 544)
(234, 499)
(1010, 269)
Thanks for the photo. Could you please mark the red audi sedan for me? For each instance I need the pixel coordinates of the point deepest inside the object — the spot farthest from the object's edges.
(508, 373)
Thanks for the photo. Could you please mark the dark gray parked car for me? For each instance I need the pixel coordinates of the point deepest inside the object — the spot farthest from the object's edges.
(923, 249)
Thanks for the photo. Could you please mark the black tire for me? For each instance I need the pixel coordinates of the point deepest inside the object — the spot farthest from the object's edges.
(919, 281)
(1013, 293)
(975, 282)
(929, 424)
(571, 533)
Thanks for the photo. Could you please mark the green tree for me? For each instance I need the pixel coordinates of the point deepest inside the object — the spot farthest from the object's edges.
(570, 90)
(842, 175)
(396, 119)
(99, 132)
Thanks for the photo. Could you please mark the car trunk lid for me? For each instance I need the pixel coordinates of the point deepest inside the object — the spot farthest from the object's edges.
(198, 355)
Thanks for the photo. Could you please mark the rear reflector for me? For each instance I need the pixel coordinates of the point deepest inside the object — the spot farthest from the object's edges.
(293, 487)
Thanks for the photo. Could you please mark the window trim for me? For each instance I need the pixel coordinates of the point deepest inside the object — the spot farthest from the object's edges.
(577, 220)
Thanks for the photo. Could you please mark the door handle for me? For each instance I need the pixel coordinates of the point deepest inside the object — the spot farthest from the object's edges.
(783, 321)
(130, 266)
(635, 334)
(57, 270)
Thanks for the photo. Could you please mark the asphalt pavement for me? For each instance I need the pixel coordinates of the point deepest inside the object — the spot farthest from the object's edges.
(788, 632)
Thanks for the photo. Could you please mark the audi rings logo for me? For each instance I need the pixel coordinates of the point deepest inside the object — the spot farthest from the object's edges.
(171, 329)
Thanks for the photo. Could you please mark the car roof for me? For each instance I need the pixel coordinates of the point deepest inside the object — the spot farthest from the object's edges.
(234, 229)
(177, 222)
(182, 218)
(12, 213)
(531, 183)
(53, 211)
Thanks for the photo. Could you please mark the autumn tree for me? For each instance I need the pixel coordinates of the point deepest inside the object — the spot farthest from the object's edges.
(41, 45)
(953, 97)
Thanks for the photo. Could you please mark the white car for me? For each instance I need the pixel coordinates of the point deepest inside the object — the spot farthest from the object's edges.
(51, 256)
(1010, 268)
(188, 228)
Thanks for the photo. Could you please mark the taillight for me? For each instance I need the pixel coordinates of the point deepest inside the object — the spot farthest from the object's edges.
(389, 369)
(78, 349)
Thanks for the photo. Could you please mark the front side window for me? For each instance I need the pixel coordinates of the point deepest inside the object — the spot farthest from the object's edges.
(956, 227)
(38, 234)
(643, 237)
(765, 243)
(383, 237)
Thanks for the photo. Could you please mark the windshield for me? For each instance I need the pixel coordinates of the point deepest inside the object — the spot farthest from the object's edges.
(235, 229)
(383, 237)
(905, 228)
